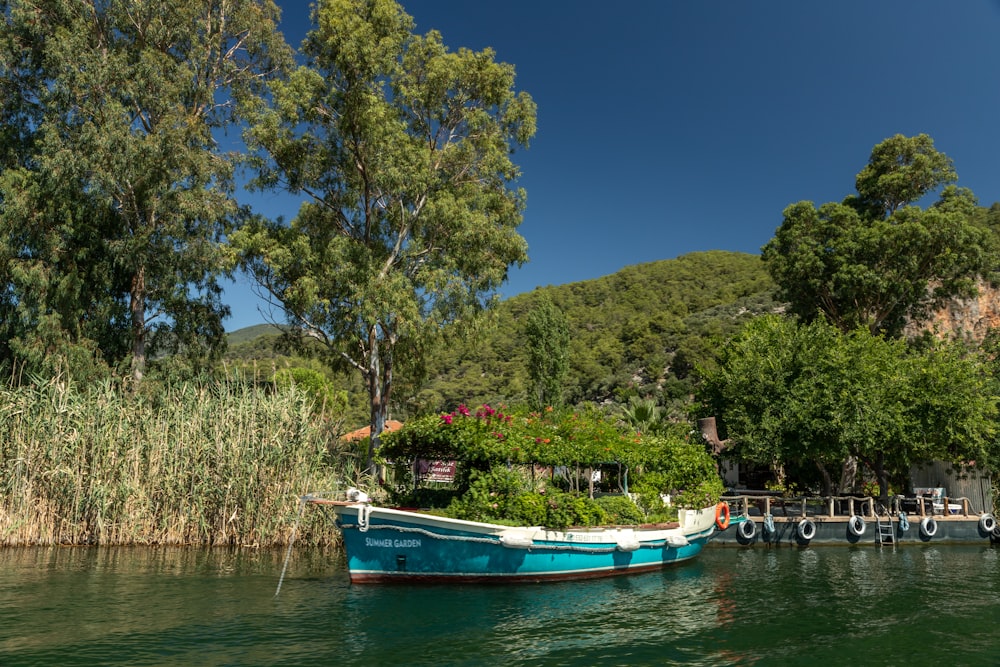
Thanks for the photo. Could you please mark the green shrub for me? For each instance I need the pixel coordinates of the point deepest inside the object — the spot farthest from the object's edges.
(580, 438)
(489, 495)
(504, 496)
(425, 498)
(567, 509)
(704, 494)
(620, 510)
(529, 509)
(588, 512)
(649, 492)
(326, 399)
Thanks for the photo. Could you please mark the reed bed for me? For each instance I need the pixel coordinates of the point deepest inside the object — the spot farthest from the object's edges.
(220, 464)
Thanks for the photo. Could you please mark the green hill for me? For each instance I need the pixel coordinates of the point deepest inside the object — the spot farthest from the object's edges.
(640, 331)
(247, 334)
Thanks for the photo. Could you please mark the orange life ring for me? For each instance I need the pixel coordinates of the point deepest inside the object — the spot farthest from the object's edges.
(722, 516)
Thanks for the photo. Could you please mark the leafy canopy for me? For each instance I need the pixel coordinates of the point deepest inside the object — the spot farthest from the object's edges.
(877, 260)
(810, 394)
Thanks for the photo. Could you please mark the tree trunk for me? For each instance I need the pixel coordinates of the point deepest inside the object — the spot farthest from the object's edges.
(848, 475)
(379, 378)
(137, 306)
(709, 432)
(376, 416)
(883, 478)
(376, 426)
(779, 474)
(827, 480)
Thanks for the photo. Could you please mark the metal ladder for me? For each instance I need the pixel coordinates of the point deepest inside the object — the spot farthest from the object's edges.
(884, 532)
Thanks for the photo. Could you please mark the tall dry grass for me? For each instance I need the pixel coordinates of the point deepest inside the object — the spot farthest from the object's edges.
(193, 464)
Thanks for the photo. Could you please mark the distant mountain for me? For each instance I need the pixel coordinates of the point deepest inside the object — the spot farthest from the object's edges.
(247, 334)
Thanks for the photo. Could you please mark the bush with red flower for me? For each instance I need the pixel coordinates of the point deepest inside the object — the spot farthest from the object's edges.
(486, 438)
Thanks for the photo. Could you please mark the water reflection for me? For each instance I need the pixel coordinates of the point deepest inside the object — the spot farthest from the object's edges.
(780, 606)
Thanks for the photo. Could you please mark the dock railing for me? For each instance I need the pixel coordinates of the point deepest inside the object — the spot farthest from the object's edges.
(763, 503)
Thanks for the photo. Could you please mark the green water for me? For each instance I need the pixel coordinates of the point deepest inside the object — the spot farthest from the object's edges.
(918, 605)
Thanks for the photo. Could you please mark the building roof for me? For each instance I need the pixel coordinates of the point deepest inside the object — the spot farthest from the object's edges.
(365, 431)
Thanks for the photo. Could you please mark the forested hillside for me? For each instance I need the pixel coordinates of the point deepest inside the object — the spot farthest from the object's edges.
(640, 331)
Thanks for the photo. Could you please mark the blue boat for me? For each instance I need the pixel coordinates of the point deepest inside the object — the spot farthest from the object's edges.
(395, 545)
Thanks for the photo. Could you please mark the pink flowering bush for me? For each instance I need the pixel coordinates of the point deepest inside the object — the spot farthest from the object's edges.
(487, 436)
(514, 435)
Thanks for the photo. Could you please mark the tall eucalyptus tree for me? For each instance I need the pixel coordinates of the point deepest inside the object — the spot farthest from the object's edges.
(401, 150)
(125, 103)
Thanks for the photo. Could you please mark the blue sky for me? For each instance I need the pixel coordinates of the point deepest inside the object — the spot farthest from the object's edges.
(666, 127)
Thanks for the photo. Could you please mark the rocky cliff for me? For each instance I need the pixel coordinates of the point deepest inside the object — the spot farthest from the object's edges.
(965, 317)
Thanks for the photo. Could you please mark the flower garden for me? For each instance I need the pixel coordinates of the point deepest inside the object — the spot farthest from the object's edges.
(523, 467)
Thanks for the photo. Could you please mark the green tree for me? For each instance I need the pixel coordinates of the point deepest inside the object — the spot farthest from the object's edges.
(123, 170)
(877, 260)
(547, 332)
(748, 391)
(789, 394)
(402, 151)
(326, 398)
(48, 275)
(900, 171)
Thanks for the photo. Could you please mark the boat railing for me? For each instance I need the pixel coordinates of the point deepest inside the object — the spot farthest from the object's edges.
(768, 503)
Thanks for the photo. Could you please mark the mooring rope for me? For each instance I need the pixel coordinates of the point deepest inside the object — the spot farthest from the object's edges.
(490, 540)
(288, 553)
(406, 529)
(364, 512)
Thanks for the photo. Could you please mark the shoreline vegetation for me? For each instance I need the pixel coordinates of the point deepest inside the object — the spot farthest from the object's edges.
(224, 464)
(195, 464)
